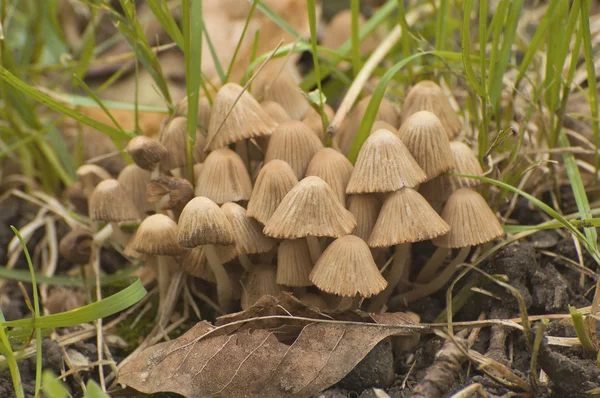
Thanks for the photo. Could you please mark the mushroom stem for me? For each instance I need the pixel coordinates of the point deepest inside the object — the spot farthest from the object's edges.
(401, 261)
(245, 261)
(241, 148)
(314, 247)
(163, 277)
(432, 265)
(224, 288)
(103, 234)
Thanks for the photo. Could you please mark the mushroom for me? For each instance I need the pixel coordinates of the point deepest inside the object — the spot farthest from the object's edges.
(311, 209)
(174, 137)
(203, 223)
(313, 300)
(312, 119)
(334, 168)
(366, 209)
(169, 193)
(294, 263)
(275, 111)
(384, 164)
(90, 175)
(224, 178)
(146, 153)
(428, 96)
(135, 181)
(274, 181)
(260, 281)
(75, 246)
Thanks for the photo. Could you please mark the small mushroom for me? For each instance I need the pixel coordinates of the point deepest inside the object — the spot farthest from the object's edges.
(224, 178)
(260, 281)
(274, 181)
(294, 263)
(334, 168)
(146, 152)
(276, 83)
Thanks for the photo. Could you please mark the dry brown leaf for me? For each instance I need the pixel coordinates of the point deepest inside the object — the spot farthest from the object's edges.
(250, 354)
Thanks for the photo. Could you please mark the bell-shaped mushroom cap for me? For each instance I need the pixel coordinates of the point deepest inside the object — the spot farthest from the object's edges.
(135, 181)
(111, 202)
(224, 177)
(293, 263)
(194, 263)
(274, 181)
(334, 168)
(171, 193)
(313, 300)
(198, 149)
(311, 208)
(346, 268)
(232, 121)
(276, 83)
(174, 137)
(260, 281)
(146, 152)
(90, 175)
(202, 222)
(275, 111)
(471, 220)
(76, 245)
(203, 110)
(424, 136)
(366, 209)
(294, 143)
(384, 164)
(466, 163)
(386, 112)
(428, 96)
(157, 235)
(339, 31)
(249, 238)
(312, 119)
(406, 217)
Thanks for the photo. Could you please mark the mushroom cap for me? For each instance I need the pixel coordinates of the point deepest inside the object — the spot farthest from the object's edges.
(406, 217)
(276, 83)
(425, 138)
(174, 137)
(384, 164)
(275, 111)
(177, 190)
(311, 208)
(146, 152)
(346, 268)
(135, 181)
(75, 246)
(194, 263)
(90, 175)
(294, 263)
(466, 163)
(232, 121)
(111, 202)
(294, 143)
(260, 281)
(312, 119)
(334, 168)
(366, 209)
(428, 96)
(313, 300)
(274, 181)
(382, 125)
(202, 222)
(224, 177)
(249, 238)
(471, 220)
(157, 235)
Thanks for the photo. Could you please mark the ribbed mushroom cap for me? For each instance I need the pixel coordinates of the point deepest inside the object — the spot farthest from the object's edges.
(194, 263)
(90, 175)
(339, 31)
(203, 110)
(366, 209)
(110, 202)
(173, 193)
(224, 177)
(466, 163)
(384, 164)
(202, 222)
(406, 217)
(157, 235)
(346, 268)
(424, 136)
(249, 238)
(334, 168)
(246, 120)
(471, 220)
(310, 208)
(76, 245)
(198, 149)
(135, 181)
(312, 119)
(428, 96)
(174, 137)
(294, 143)
(274, 181)
(146, 152)
(293, 263)
(275, 83)
(387, 112)
(260, 281)
(275, 111)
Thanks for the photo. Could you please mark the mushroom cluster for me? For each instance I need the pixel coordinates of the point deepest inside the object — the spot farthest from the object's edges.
(273, 209)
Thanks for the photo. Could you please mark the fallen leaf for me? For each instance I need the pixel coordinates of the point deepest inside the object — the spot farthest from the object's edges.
(251, 354)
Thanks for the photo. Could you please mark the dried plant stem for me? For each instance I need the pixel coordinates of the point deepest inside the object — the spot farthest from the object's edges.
(314, 247)
(224, 288)
(397, 270)
(432, 265)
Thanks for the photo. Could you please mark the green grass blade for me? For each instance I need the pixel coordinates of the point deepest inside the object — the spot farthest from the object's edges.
(87, 52)
(466, 48)
(354, 40)
(584, 223)
(52, 386)
(161, 11)
(80, 100)
(98, 101)
(65, 157)
(312, 19)
(239, 43)
(279, 21)
(406, 36)
(441, 25)
(7, 351)
(581, 331)
(94, 390)
(214, 56)
(367, 122)
(58, 280)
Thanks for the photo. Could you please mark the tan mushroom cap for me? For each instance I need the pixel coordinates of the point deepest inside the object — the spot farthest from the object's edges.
(171, 192)
(275, 111)
(157, 235)
(76, 245)
(428, 96)
(146, 152)
(232, 121)
(294, 143)
(276, 83)
(471, 220)
(334, 168)
(202, 222)
(260, 281)
(224, 177)
(346, 268)
(90, 175)
(312, 119)
(313, 300)
(311, 208)
(194, 261)
(406, 217)
(424, 136)
(384, 164)
(294, 263)
(274, 181)
(173, 137)
(135, 181)
(366, 209)
(249, 238)
(110, 202)
(466, 163)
